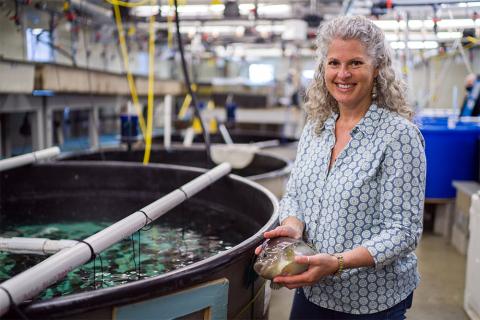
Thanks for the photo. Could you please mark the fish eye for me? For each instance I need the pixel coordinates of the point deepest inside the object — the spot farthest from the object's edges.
(264, 254)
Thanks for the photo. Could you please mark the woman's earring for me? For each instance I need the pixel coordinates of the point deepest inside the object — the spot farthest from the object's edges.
(374, 90)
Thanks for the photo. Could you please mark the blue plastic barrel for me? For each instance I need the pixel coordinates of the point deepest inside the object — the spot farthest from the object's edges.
(451, 155)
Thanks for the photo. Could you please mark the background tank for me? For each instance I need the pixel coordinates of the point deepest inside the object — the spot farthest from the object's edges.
(269, 170)
(286, 149)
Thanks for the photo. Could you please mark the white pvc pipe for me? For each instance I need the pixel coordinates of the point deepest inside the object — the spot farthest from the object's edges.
(189, 135)
(29, 283)
(167, 122)
(40, 246)
(225, 134)
(28, 158)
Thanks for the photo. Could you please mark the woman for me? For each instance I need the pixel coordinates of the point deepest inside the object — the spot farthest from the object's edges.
(357, 188)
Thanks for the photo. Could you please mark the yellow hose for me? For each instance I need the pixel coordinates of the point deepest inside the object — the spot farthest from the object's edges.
(473, 39)
(186, 104)
(131, 82)
(129, 4)
(151, 79)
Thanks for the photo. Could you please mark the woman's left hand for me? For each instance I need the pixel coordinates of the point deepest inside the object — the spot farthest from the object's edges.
(320, 265)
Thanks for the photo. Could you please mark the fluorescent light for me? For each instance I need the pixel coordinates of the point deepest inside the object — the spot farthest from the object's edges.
(245, 8)
(421, 36)
(456, 23)
(449, 35)
(276, 28)
(416, 25)
(195, 10)
(423, 44)
(145, 11)
(274, 10)
(414, 45)
(209, 29)
(392, 37)
(387, 24)
(469, 4)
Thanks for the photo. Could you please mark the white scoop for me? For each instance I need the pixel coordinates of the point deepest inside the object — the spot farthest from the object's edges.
(238, 155)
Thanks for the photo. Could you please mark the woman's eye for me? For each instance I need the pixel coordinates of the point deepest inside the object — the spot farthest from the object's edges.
(356, 63)
(333, 63)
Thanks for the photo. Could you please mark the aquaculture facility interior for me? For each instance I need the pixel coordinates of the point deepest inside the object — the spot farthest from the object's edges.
(240, 159)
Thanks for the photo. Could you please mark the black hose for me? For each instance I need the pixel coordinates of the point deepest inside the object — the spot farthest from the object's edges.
(206, 135)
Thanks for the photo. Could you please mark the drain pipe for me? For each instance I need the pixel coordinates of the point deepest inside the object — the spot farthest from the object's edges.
(28, 158)
(40, 246)
(29, 283)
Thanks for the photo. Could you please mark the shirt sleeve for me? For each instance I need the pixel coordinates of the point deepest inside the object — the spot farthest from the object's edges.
(402, 195)
(289, 203)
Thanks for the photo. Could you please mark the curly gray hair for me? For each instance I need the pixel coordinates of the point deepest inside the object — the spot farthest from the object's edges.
(389, 86)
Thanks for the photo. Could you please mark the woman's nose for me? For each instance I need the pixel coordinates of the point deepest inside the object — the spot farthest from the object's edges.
(344, 73)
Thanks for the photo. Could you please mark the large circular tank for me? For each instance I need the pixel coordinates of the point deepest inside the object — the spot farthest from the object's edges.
(268, 170)
(95, 190)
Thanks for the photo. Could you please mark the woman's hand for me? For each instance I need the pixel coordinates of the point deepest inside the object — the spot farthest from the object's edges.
(320, 265)
(281, 231)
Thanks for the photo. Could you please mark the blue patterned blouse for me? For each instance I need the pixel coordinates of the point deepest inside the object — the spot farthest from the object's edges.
(372, 197)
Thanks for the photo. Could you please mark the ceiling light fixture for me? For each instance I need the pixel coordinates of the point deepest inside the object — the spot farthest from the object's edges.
(393, 25)
(414, 45)
(145, 11)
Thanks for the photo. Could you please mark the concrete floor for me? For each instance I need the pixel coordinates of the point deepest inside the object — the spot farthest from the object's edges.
(439, 295)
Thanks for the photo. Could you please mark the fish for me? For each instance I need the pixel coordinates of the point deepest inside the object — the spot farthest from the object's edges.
(277, 257)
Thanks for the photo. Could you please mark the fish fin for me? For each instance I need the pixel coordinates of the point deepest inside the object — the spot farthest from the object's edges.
(275, 285)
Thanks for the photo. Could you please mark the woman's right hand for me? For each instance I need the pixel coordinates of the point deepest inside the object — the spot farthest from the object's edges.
(281, 231)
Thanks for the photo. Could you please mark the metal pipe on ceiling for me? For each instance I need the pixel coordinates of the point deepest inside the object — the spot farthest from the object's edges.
(96, 11)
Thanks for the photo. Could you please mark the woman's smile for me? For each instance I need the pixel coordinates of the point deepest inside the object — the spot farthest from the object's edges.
(349, 74)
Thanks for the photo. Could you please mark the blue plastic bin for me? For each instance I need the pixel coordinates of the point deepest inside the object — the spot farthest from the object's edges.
(129, 127)
(451, 155)
(431, 120)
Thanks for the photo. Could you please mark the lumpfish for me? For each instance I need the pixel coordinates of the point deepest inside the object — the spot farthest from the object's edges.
(278, 258)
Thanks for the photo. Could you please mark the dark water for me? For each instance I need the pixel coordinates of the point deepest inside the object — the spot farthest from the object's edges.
(163, 248)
